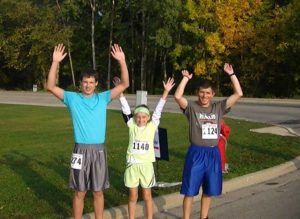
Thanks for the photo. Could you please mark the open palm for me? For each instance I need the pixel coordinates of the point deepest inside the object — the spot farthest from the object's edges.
(58, 54)
(169, 84)
(117, 52)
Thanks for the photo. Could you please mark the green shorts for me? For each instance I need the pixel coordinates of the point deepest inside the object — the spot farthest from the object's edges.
(139, 174)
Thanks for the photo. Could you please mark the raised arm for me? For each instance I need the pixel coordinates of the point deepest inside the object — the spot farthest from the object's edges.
(179, 98)
(116, 81)
(126, 112)
(168, 85)
(57, 57)
(238, 93)
(119, 55)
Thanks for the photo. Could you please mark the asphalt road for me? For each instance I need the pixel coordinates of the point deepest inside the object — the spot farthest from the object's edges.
(274, 199)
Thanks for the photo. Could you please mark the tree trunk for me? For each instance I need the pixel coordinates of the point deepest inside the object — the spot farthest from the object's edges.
(143, 56)
(69, 47)
(152, 74)
(132, 60)
(132, 76)
(93, 9)
(44, 79)
(165, 64)
(71, 64)
(110, 43)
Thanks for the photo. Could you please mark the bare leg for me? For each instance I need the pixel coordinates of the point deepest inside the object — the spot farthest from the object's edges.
(78, 203)
(187, 206)
(133, 196)
(205, 204)
(147, 196)
(98, 202)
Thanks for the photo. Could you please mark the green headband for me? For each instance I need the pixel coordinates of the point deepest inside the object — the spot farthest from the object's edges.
(142, 109)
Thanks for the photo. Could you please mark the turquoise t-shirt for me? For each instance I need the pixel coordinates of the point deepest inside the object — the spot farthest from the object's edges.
(88, 116)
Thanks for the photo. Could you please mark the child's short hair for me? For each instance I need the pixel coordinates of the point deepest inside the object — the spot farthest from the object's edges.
(142, 109)
(89, 73)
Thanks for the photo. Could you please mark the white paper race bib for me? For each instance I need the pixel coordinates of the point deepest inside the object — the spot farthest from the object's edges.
(76, 161)
(140, 147)
(209, 131)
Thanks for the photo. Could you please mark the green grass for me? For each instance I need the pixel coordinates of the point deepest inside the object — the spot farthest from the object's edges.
(36, 143)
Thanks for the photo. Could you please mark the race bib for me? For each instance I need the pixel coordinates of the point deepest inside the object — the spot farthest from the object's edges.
(76, 161)
(209, 131)
(140, 147)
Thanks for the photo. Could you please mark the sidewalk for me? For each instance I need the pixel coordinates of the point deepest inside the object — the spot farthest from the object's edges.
(168, 203)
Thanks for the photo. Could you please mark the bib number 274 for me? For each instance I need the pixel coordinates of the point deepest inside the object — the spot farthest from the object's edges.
(76, 161)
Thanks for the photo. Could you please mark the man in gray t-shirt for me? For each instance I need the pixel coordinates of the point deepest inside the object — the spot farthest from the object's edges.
(204, 122)
(202, 163)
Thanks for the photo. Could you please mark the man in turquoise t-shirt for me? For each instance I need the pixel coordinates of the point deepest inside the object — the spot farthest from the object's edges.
(88, 113)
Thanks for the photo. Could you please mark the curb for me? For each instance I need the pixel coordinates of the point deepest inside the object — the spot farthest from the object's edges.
(165, 202)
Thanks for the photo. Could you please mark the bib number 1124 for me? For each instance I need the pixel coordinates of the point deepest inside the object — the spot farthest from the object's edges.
(209, 131)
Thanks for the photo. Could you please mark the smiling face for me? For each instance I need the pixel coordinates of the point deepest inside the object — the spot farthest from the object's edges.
(205, 92)
(141, 119)
(205, 96)
(88, 85)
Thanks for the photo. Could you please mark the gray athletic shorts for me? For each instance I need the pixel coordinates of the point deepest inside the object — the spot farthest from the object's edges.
(89, 168)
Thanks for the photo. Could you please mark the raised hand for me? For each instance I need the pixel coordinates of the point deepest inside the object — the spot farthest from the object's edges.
(116, 81)
(58, 54)
(117, 52)
(169, 84)
(228, 69)
(185, 73)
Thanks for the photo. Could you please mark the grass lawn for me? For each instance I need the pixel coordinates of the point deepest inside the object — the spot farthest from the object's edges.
(36, 143)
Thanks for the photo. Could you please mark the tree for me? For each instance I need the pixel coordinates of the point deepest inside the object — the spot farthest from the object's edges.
(201, 48)
(166, 32)
(30, 32)
(269, 65)
(94, 8)
(65, 21)
(153, 31)
(112, 18)
(236, 26)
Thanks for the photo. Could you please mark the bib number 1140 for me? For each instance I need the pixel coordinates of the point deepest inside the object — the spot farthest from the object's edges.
(140, 147)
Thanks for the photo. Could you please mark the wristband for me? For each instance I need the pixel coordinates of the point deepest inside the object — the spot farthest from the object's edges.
(231, 74)
(187, 77)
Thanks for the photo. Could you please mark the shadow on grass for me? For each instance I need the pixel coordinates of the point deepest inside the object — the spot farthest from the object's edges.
(117, 183)
(43, 189)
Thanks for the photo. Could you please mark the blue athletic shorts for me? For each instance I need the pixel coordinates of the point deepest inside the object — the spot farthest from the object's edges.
(202, 167)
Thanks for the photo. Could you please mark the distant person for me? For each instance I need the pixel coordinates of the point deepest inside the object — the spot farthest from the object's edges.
(202, 163)
(88, 113)
(140, 152)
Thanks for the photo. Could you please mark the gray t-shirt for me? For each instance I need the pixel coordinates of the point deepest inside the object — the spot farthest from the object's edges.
(205, 122)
